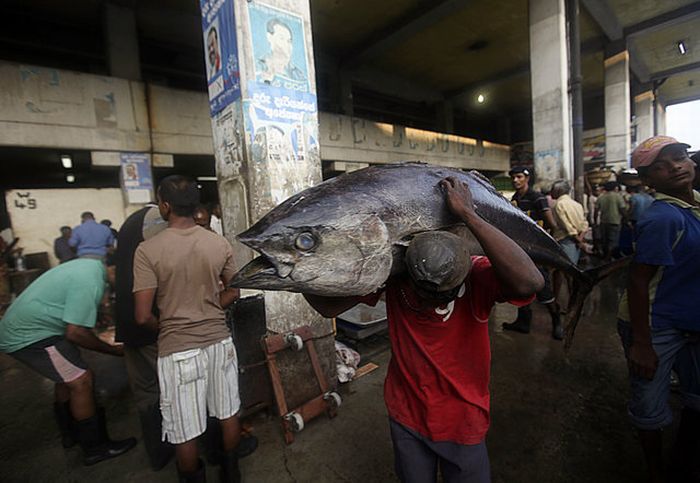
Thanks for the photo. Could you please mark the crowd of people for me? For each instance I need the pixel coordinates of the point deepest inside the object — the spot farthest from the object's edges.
(171, 286)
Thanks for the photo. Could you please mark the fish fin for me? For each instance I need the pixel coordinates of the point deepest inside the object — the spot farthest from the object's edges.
(583, 284)
(482, 177)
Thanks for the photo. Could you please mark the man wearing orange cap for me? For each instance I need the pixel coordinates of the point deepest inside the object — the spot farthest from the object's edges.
(658, 319)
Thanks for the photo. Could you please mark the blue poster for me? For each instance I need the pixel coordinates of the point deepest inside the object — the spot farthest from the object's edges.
(136, 176)
(279, 48)
(282, 125)
(221, 53)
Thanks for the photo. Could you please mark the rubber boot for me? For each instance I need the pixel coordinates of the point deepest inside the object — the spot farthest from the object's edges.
(686, 451)
(96, 445)
(247, 446)
(522, 323)
(230, 472)
(557, 329)
(197, 476)
(159, 452)
(64, 420)
(212, 440)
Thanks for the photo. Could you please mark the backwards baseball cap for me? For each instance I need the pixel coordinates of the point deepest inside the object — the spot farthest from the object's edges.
(647, 152)
(518, 170)
(438, 261)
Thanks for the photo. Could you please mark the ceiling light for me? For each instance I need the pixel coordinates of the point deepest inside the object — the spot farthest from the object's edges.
(199, 186)
(66, 161)
(480, 98)
(681, 48)
(206, 178)
(70, 178)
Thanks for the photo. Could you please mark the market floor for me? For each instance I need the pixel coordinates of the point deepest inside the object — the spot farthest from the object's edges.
(556, 417)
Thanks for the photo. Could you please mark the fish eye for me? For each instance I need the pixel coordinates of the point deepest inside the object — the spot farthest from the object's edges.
(305, 241)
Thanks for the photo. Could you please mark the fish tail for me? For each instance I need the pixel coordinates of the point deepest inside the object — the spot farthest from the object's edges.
(584, 282)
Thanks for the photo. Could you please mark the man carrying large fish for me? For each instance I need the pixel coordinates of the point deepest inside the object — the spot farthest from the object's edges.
(436, 390)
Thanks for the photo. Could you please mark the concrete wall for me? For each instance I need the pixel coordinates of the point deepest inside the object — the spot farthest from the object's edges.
(37, 215)
(42, 107)
(351, 139)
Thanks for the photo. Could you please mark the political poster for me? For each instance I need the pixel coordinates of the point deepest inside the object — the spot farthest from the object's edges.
(221, 53)
(136, 176)
(279, 48)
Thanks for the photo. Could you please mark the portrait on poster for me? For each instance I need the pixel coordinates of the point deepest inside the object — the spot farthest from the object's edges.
(212, 43)
(279, 48)
(220, 53)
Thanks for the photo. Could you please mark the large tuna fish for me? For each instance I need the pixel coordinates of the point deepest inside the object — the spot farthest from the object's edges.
(347, 235)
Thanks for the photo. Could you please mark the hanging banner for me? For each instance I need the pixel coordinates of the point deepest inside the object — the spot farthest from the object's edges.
(136, 177)
(220, 53)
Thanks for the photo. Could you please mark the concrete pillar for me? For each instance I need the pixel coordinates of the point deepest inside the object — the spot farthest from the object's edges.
(551, 123)
(644, 116)
(617, 111)
(262, 93)
(122, 42)
(444, 117)
(660, 118)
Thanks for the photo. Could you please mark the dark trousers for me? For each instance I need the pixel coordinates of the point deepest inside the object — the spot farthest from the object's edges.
(417, 458)
(142, 366)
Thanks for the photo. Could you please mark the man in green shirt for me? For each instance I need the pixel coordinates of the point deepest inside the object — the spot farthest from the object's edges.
(42, 328)
(610, 206)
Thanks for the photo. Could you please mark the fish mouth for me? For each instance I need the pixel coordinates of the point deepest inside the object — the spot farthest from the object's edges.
(261, 273)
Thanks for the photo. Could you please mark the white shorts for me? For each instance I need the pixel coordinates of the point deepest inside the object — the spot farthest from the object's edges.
(193, 381)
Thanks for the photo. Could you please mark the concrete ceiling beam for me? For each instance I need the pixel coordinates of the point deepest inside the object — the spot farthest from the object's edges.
(674, 71)
(397, 34)
(668, 19)
(590, 46)
(605, 17)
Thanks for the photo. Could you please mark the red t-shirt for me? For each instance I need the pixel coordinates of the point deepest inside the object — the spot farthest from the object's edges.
(438, 378)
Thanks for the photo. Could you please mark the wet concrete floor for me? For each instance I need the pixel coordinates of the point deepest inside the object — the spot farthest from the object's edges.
(556, 417)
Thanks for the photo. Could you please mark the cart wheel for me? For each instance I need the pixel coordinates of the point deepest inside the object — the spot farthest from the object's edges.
(296, 422)
(294, 341)
(333, 398)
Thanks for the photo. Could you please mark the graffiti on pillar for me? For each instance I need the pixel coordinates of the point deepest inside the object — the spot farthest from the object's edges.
(279, 48)
(221, 53)
(548, 165)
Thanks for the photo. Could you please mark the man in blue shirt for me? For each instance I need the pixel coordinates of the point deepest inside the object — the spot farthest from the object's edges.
(90, 238)
(658, 316)
(43, 328)
(640, 200)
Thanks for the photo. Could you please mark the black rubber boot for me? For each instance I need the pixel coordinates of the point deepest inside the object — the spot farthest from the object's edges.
(64, 420)
(247, 446)
(198, 476)
(522, 323)
(96, 445)
(159, 452)
(557, 329)
(212, 440)
(230, 473)
(686, 452)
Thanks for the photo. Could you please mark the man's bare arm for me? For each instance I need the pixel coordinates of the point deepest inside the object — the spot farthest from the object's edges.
(143, 309)
(86, 338)
(516, 273)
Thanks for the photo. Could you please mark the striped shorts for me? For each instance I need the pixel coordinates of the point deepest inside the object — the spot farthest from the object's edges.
(193, 381)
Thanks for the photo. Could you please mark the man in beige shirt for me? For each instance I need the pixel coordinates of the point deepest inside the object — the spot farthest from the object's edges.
(570, 222)
(181, 268)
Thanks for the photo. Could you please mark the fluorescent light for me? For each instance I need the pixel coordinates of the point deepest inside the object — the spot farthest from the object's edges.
(70, 178)
(480, 98)
(681, 48)
(206, 178)
(66, 161)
